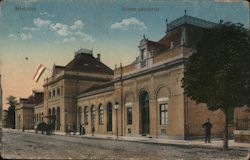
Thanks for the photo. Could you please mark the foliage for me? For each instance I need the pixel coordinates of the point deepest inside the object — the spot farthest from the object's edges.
(9, 118)
(218, 74)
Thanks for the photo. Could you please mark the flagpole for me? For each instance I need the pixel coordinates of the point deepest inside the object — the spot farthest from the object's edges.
(48, 69)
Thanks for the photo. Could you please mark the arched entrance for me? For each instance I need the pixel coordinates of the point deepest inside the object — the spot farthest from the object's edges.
(109, 117)
(144, 113)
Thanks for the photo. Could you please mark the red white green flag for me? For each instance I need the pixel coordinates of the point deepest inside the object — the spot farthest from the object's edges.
(39, 72)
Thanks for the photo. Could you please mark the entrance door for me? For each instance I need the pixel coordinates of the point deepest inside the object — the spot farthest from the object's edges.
(109, 117)
(144, 113)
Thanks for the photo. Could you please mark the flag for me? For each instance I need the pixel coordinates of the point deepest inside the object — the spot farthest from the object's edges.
(39, 72)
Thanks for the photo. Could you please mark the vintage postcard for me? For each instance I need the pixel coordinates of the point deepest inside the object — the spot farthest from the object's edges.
(123, 79)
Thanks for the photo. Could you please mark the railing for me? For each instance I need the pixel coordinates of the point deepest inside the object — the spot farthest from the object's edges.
(190, 20)
(242, 124)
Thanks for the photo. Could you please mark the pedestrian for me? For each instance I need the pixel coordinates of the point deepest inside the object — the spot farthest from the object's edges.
(68, 129)
(83, 131)
(208, 126)
(93, 130)
(80, 129)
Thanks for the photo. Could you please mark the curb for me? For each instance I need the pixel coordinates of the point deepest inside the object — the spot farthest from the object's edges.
(169, 144)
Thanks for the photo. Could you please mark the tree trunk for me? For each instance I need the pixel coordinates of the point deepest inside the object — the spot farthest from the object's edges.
(225, 135)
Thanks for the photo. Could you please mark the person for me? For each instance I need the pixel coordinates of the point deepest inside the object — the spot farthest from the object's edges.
(80, 129)
(83, 131)
(208, 126)
(93, 130)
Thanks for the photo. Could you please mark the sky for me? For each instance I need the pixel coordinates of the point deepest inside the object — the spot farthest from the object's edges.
(49, 32)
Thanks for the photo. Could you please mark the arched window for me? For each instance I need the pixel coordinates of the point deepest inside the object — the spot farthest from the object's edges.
(58, 118)
(109, 117)
(42, 117)
(144, 113)
(86, 116)
(101, 115)
(93, 116)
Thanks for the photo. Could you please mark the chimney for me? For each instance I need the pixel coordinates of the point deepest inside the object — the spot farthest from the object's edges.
(99, 57)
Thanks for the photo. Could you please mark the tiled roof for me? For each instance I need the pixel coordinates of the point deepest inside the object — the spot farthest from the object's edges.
(84, 62)
(35, 99)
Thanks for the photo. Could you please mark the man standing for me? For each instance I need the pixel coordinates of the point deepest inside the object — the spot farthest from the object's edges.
(208, 126)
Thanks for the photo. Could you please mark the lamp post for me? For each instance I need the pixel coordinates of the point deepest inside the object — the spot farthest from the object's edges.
(116, 106)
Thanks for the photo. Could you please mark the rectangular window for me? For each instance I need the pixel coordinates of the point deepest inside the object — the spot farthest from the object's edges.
(49, 94)
(58, 91)
(129, 115)
(163, 114)
(54, 93)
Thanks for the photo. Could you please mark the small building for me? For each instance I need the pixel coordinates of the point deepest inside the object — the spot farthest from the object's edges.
(24, 111)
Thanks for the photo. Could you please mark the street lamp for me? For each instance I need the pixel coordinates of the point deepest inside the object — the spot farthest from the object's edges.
(116, 106)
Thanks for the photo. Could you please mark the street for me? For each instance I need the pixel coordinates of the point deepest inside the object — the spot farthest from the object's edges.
(23, 145)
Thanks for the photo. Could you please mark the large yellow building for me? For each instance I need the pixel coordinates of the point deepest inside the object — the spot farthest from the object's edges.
(143, 98)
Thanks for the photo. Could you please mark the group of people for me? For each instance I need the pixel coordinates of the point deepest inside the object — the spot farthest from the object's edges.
(82, 130)
(207, 126)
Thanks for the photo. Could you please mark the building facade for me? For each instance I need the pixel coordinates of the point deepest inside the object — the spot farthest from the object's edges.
(24, 111)
(144, 98)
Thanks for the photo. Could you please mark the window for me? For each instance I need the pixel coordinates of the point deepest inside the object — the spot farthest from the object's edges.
(129, 115)
(62, 89)
(49, 94)
(101, 115)
(54, 93)
(163, 114)
(86, 116)
(58, 91)
(42, 117)
(143, 54)
(93, 116)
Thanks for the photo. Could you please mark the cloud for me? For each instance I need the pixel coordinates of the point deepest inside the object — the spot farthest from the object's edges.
(25, 36)
(69, 39)
(12, 36)
(47, 14)
(77, 25)
(40, 22)
(60, 29)
(126, 23)
(29, 29)
(85, 37)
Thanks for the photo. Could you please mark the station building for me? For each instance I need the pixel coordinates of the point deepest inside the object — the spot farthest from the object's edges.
(144, 98)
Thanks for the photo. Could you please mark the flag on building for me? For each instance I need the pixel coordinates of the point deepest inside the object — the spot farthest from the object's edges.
(39, 72)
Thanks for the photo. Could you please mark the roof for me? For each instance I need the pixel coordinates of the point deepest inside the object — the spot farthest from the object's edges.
(186, 19)
(97, 89)
(85, 62)
(57, 69)
(35, 98)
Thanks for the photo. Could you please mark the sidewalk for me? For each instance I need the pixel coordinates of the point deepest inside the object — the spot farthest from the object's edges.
(216, 143)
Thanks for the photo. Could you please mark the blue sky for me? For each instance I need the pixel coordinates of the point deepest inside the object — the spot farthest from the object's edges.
(52, 32)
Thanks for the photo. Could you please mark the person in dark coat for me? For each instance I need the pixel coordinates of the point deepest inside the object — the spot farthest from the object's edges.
(93, 130)
(208, 126)
(83, 131)
(80, 129)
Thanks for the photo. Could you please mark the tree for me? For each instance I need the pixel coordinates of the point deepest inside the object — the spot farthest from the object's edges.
(218, 74)
(9, 118)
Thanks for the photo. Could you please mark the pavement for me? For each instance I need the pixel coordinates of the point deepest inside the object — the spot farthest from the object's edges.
(215, 143)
